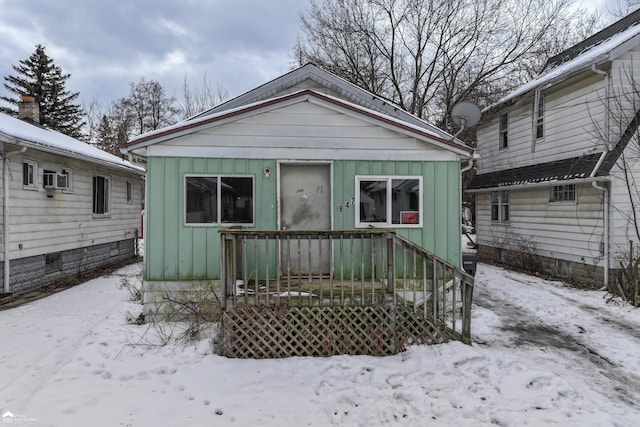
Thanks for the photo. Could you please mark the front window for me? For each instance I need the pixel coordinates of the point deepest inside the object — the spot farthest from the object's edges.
(100, 195)
(500, 206)
(389, 201)
(219, 200)
(504, 139)
(562, 193)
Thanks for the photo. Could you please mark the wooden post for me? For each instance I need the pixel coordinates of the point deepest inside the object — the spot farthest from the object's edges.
(467, 296)
(227, 275)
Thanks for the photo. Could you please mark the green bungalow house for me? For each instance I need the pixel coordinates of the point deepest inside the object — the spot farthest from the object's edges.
(306, 151)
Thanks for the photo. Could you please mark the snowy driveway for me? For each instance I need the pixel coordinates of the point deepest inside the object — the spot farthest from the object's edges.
(544, 354)
(565, 330)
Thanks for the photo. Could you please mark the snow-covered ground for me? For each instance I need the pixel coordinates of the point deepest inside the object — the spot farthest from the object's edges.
(543, 354)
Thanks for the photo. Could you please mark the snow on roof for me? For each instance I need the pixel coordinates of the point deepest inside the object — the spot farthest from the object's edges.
(328, 80)
(25, 132)
(588, 57)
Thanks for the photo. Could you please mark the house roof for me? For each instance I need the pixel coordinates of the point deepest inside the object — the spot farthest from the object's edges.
(321, 82)
(599, 37)
(13, 130)
(603, 46)
(559, 170)
(225, 115)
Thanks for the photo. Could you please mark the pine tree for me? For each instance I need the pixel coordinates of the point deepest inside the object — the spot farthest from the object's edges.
(106, 138)
(39, 77)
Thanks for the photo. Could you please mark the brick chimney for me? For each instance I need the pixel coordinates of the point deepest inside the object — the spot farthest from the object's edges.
(28, 109)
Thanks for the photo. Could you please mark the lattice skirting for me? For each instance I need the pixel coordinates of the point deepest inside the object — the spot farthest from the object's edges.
(281, 331)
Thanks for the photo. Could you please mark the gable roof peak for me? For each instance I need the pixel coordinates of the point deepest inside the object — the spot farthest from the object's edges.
(617, 27)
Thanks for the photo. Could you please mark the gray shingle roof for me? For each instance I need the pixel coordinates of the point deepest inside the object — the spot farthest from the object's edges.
(559, 170)
(586, 44)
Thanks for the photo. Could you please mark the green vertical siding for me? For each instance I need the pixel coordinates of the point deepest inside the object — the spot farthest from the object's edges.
(178, 252)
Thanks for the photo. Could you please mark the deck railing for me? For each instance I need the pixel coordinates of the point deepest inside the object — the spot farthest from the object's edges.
(343, 268)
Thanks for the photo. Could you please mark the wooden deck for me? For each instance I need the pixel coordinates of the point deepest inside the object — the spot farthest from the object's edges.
(381, 287)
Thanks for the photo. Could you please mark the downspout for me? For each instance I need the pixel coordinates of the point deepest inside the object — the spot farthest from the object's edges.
(604, 190)
(5, 215)
(470, 164)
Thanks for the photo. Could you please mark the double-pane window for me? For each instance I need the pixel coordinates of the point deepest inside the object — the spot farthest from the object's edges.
(219, 200)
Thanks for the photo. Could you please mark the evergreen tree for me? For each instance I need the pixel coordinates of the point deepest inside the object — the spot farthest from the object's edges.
(106, 138)
(39, 77)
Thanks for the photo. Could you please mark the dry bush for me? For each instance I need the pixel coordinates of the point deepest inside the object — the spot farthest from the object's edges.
(628, 284)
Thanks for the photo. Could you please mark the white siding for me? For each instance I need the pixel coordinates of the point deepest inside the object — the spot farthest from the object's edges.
(301, 131)
(572, 114)
(623, 221)
(571, 231)
(40, 224)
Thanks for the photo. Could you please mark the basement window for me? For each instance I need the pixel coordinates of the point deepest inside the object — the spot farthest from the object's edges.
(389, 201)
(52, 262)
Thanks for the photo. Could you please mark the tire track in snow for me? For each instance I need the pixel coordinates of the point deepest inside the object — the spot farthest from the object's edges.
(524, 329)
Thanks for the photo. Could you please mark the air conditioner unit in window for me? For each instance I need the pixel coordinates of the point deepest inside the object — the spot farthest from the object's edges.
(55, 180)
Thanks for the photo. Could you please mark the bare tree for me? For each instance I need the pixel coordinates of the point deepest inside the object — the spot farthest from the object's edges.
(618, 135)
(93, 112)
(622, 8)
(148, 107)
(196, 99)
(426, 55)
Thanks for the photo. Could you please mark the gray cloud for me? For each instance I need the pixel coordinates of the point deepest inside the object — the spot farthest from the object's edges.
(106, 45)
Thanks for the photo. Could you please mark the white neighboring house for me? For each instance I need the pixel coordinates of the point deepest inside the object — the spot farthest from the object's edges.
(555, 160)
(67, 207)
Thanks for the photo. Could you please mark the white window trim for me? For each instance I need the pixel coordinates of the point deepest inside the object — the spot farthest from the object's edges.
(34, 184)
(500, 220)
(538, 114)
(573, 201)
(128, 196)
(503, 133)
(389, 223)
(107, 214)
(219, 205)
(69, 171)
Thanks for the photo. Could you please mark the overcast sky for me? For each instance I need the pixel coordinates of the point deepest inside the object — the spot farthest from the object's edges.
(106, 45)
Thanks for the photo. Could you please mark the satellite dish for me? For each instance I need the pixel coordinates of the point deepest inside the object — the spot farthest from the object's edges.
(465, 114)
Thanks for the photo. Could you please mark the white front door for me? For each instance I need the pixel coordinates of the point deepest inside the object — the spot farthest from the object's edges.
(305, 204)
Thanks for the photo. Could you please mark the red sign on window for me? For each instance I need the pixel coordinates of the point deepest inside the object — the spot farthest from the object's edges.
(409, 217)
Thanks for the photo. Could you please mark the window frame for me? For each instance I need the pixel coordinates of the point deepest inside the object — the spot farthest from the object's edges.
(389, 202)
(69, 172)
(563, 194)
(52, 262)
(218, 222)
(106, 196)
(503, 131)
(33, 185)
(502, 204)
(129, 192)
(539, 114)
